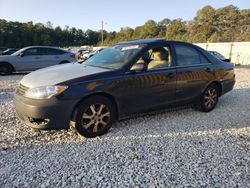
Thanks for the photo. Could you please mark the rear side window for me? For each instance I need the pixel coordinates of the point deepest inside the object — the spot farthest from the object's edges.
(50, 51)
(203, 59)
(186, 55)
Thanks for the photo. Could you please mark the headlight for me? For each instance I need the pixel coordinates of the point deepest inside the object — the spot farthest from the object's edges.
(44, 92)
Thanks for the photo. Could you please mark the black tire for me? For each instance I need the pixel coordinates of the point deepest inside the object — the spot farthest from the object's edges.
(209, 98)
(5, 69)
(91, 123)
(64, 62)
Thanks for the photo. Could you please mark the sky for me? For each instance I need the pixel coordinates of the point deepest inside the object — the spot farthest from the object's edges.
(88, 14)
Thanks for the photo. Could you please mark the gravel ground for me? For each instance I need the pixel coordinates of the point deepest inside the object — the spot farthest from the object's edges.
(175, 148)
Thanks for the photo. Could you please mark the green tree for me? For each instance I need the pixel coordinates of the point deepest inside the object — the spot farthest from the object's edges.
(163, 26)
(204, 26)
(177, 30)
(214, 25)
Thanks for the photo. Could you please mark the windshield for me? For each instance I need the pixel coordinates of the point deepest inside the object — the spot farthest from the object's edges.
(114, 57)
(18, 52)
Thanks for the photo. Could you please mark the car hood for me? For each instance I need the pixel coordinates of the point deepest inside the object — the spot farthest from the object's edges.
(57, 74)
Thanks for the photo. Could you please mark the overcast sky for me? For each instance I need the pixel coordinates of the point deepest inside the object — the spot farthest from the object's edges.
(88, 14)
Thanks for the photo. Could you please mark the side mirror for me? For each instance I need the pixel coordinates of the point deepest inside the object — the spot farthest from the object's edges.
(138, 67)
(21, 54)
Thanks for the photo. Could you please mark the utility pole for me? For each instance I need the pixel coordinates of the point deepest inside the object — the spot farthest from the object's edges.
(167, 31)
(102, 32)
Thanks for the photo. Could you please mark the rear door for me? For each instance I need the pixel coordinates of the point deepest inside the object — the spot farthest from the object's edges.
(194, 72)
(49, 57)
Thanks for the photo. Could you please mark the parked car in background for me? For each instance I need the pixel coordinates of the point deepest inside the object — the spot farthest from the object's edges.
(219, 56)
(90, 54)
(80, 54)
(9, 51)
(123, 80)
(33, 58)
(2, 49)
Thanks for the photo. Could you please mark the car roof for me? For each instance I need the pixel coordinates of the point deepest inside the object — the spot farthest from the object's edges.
(151, 41)
(51, 47)
(142, 41)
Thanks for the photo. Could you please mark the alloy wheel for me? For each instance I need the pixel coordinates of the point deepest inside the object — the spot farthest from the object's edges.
(210, 98)
(95, 118)
(4, 69)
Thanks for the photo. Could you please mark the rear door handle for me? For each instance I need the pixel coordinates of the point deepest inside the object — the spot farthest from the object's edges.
(208, 70)
(171, 75)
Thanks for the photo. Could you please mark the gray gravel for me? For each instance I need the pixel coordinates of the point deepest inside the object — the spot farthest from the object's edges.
(175, 148)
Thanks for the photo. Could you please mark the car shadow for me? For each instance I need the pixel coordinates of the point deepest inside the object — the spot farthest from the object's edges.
(232, 112)
(14, 73)
(6, 95)
(230, 106)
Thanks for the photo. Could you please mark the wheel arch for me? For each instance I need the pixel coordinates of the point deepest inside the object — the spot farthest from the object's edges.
(108, 96)
(217, 83)
(7, 63)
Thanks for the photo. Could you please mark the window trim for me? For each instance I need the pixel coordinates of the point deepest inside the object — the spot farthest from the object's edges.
(180, 66)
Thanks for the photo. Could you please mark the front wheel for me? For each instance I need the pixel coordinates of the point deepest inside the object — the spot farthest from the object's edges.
(209, 98)
(95, 116)
(5, 69)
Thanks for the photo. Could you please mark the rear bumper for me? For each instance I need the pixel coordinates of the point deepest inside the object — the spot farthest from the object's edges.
(227, 86)
(46, 114)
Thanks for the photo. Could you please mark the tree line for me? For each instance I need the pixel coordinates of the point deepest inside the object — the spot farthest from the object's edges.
(209, 25)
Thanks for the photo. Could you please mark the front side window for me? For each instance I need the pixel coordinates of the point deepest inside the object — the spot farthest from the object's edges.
(156, 58)
(114, 57)
(31, 51)
(186, 55)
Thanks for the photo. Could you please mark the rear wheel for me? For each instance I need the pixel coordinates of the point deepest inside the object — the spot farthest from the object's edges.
(95, 116)
(209, 98)
(5, 69)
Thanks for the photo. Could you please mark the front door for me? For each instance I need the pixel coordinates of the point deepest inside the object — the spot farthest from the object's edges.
(151, 88)
(49, 57)
(29, 60)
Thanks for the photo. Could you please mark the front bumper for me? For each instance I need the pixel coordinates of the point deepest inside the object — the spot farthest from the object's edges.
(46, 114)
